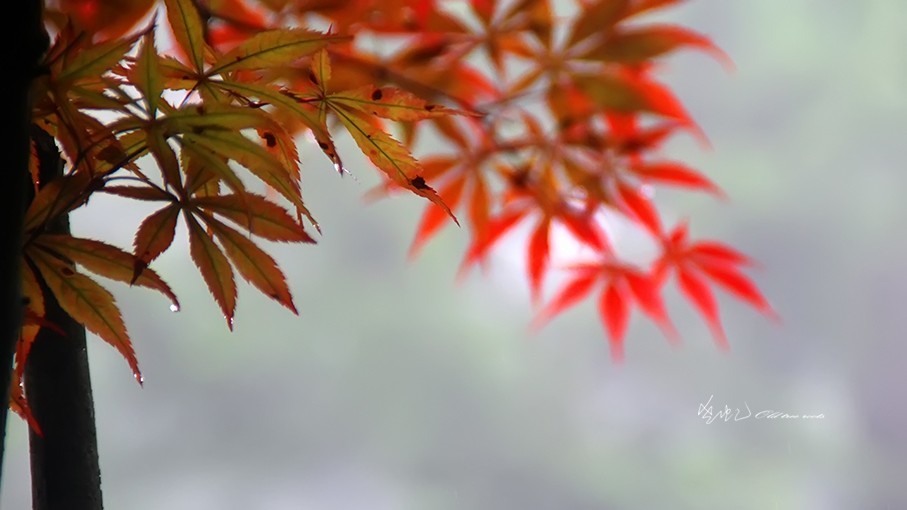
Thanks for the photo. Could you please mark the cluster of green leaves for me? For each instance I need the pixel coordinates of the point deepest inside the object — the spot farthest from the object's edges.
(552, 121)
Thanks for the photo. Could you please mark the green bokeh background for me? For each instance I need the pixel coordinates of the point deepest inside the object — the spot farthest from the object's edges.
(397, 388)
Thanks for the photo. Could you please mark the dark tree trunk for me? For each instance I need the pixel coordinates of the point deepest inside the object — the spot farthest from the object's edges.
(65, 472)
(25, 41)
(64, 460)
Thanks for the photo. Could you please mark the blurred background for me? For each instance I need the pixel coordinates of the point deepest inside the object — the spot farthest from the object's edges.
(398, 388)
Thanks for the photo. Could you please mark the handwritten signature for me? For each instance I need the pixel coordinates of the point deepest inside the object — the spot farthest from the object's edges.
(710, 414)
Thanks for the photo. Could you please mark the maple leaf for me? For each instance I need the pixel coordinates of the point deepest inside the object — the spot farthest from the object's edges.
(146, 74)
(188, 32)
(435, 217)
(154, 236)
(58, 197)
(260, 216)
(87, 302)
(676, 174)
(214, 267)
(357, 110)
(642, 44)
(584, 230)
(105, 260)
(390, 156)
(391, 103)
(694, 263)
(252, 262)
(273, 48)
(621, 285)
(563, 128)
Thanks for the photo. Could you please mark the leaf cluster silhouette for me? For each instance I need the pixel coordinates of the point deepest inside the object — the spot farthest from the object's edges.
(552, 122)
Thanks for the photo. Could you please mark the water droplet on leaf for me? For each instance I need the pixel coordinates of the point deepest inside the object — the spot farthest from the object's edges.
(174, 307)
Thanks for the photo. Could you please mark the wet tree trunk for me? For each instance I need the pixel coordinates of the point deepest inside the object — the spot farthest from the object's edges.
(26, 41)
(65, 473)
(64, 459)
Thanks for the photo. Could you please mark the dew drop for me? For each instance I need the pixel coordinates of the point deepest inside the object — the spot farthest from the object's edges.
(174, 307)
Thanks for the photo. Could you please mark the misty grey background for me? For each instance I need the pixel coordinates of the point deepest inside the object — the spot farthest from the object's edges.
(396, 388)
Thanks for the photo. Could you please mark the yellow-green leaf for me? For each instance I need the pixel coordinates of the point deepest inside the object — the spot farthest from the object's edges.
(389, 156)
(96, 98)
(256, 266)
(200, 161)
(146, 74)
(391, 103)
(57, 197)
(273, 48)
(188, 31)
(87, 302)
(197, 119)
(321, 70)
(166, 159)
(155, 234)
(294, 107)
(95, 60)
(382, 149)
(214, 267)
(281, 144)
(176, 76)
(106, 260)
(261, 216)
(278, 98)
(252, 156)
(121, 154)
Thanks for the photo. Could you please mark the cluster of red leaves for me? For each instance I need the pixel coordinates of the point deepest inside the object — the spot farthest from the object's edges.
(545, 120)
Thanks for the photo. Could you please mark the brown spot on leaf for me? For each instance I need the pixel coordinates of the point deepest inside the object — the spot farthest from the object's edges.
(112, 153)
(419, 183)
(520, 178)
(66, 271)
(323, 146)
(377, 95)
(270, 139)
(430, 107)
(312, 77)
